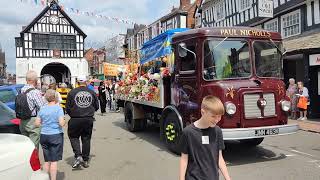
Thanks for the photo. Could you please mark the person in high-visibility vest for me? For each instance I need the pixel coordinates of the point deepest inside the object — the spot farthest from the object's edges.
(63, 90)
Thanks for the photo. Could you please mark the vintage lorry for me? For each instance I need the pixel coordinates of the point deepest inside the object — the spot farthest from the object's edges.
(240, 65)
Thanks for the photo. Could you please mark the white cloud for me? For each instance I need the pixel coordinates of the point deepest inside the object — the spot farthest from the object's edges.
(15, 14)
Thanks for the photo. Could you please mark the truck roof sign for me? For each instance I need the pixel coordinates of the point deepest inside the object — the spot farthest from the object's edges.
(245, 32)
(237, 31)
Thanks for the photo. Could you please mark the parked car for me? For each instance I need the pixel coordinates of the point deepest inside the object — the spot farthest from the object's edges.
(8, 94)
(8, 121)
(19, 159)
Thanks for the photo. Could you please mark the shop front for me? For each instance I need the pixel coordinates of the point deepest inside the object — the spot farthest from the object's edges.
(302, 62)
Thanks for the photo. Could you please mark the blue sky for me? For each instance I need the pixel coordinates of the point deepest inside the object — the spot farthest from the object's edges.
(15, 14)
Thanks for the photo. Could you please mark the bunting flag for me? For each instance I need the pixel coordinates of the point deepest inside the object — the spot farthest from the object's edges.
(79, 12)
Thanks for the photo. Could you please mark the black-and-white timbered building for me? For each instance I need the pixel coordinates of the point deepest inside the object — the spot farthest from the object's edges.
(51, 44)
(298, 21)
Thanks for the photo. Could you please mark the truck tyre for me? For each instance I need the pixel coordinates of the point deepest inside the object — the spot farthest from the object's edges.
(133, 124)
(171, 132)
(252, 142)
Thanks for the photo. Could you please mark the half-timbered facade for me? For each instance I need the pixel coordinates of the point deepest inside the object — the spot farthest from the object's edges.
(298, 21)
(51, 44)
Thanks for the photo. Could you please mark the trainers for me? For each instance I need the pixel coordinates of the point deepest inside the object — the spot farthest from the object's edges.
(85, 164)
(77, 162)
(300, 118)
(303, 119)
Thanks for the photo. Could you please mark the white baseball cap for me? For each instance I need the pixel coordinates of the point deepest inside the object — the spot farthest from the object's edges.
(82, 78)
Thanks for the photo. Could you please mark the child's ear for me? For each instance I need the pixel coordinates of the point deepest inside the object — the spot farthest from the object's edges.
(202, 111)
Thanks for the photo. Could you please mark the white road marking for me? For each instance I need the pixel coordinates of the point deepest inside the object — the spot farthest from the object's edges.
(302, 153)
(290, 155)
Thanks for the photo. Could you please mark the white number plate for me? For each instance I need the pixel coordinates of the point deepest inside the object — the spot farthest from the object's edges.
(266, 132)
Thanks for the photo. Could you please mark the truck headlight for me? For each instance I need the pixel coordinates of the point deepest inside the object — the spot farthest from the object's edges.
(285, 105)
(231, 108)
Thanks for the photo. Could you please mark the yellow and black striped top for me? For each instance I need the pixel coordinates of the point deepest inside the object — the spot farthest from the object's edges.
(64, 93)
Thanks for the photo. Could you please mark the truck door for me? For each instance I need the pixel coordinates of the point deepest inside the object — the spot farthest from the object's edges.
(185, 81)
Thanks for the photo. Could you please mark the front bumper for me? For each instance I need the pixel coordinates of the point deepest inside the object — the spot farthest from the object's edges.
(258, 132)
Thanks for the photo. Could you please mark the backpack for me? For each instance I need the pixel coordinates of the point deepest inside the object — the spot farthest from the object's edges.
(22, 107)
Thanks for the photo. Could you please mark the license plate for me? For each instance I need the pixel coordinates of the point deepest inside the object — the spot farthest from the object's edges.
(266, 132)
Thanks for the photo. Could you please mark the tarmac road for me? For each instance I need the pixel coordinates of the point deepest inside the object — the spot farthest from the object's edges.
(118, 154)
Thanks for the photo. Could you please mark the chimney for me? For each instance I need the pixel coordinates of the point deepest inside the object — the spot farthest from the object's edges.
(184, 3)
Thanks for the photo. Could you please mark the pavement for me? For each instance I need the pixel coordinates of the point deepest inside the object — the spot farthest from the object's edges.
(312, 125)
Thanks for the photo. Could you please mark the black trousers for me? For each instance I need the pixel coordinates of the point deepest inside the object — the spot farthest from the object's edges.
(80, 128)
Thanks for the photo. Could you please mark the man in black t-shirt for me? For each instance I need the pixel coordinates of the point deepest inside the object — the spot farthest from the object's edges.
(201, 144)
(81, 106)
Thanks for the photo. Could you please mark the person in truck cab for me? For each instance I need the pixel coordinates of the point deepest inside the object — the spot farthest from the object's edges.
(201, 144)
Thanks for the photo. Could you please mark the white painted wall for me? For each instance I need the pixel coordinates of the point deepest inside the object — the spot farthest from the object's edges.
(76, 66)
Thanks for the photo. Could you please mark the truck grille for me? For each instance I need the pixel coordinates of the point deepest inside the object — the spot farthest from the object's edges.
(251, 108)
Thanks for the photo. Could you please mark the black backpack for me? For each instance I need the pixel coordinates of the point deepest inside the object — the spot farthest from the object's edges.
(22, 107)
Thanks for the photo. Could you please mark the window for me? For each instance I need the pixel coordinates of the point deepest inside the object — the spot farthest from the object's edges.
(46, 41)
(188, 63)
(268, 58)
(244, 4)
(226, 59)
(40, 41)
(7, 96)
(220, 10)
(291, 23)
(271, 25)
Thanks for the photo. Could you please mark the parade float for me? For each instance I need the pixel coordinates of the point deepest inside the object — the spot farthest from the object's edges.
(144, 83)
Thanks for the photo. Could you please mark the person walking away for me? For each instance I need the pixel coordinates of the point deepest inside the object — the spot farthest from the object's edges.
(63, 90)
(291, 93)
(201, 144)
(28, 103)
(81, 106)
(102, 97)
(109, 95)
(303, 95)
(51, 120)
(53, 86)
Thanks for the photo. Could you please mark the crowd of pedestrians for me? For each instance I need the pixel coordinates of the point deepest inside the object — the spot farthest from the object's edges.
(44, 118)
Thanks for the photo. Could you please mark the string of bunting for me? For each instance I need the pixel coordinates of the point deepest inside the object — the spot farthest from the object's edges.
(79, 12)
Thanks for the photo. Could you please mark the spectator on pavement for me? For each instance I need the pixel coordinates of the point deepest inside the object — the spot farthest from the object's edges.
(51, 120)
(291, 93)
(35, 102)
(303, 95)
(81, 106)
(91, 85)
(201, 144)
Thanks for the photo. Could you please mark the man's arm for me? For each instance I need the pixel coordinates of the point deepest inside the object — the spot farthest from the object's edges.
(69, 103)
(183, 166)
(38, 99)
(37, 122)
(223, 166)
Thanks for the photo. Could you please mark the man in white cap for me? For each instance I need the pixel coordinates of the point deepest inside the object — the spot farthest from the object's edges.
(81, 106)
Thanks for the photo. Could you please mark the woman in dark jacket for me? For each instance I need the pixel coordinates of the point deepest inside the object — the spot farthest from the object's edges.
(102, 97)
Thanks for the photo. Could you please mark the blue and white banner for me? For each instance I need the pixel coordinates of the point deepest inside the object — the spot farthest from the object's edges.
(158, 46)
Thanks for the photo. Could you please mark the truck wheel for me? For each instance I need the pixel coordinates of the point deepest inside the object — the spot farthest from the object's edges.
(171, 132)
(133, 124)
(252, 142)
